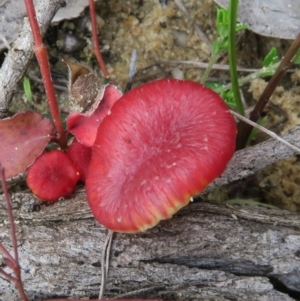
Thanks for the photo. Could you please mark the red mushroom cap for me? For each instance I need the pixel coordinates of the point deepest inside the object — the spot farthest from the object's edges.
(80, 155)
(163, 142)
(52, 176)
(84, 126)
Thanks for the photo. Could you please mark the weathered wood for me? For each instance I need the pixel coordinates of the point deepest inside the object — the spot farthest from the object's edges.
(21, 53)
(248, 161)
(208, 251)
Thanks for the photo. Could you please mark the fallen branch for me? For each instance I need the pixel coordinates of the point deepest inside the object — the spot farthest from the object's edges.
(21, 52)
(207, 250)
(248, 161)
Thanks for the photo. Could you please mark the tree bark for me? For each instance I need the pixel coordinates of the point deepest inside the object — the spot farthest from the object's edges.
(208, 251)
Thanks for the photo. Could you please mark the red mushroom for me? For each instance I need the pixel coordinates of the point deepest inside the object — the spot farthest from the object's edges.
(52, 176)
(84, 126)
(163, 143)
(80, 155)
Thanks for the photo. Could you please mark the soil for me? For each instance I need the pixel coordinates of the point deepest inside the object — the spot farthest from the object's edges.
(162, 33)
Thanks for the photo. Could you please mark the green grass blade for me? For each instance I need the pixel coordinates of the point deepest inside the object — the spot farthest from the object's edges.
(233, 9)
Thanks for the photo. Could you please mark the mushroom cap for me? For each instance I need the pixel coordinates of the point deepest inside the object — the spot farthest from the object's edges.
(84, 126)
(163, 142)
(52, 176)
(80, 155)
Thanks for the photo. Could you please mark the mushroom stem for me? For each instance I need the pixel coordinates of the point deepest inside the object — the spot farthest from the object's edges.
(105, 261)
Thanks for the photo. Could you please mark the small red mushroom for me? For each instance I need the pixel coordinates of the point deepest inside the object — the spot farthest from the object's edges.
(84, 126)
(52, 176)
(163, 142)
(80, 155)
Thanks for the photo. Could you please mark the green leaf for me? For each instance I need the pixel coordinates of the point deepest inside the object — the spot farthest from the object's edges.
(296, 59)
(213, 85)
(27, 88)
(249, 202)
(222, 22)
(62, 116)
(267, 73)
(215, 47)
(241, 26)
(224, 45)
(254, 131)
(227, 96)
(271, 58)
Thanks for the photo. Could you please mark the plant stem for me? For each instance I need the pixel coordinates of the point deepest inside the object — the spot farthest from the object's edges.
(233, 10)
(268, 132)
(7, 276)
(5, 252)
(245, 129)
(96, 40)
(41, 55)
(248, 78)
(213, 60)
(16, 268)
(10, 215)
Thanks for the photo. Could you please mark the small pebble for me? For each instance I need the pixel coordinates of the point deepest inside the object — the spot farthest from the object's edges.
(177, 73)
(72, 43)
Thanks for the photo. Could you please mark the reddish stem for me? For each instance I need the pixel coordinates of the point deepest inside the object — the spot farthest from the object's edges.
(95, 39)
(41, 55)
(7, 276)
(244, 128)
(16, 269)
(5, 252)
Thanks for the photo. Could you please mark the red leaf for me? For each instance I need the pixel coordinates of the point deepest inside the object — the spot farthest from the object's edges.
(23, 138)
(85, 126)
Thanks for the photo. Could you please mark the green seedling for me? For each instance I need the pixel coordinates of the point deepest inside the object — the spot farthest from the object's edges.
(227, 95)
(254, 132)
(249, 202)
(63, 117)
(227, 27)
(269, 61)
(270, 64)
(296, 59)
(27, 88)
(271, 57)
(221, 43)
